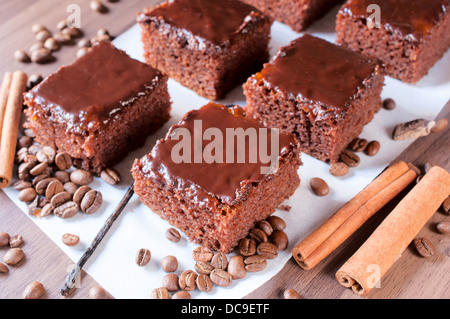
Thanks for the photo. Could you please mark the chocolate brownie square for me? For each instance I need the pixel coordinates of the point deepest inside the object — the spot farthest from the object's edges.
(411, 37)
(98, 108)
(208, 46)
(297, 14)
(219, 183)
(321, 92)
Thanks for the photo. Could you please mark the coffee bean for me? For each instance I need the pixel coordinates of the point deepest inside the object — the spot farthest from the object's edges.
(169, 263)
(19, 185)
(439, 126)
(36, 28)
(70, 187)
(42, 35)
(181, 295)
(446, 205)
(46, 210)
(60, 199)
(13, 256)
(82, 51)
(173, 235)
(97, 6)
(236, 267)
(91, 202)
(15, 241)
(4, 239)
(319, 186)
(61, 24)
(443, 227)
(291, 294)
(41, 186)
(424, 247)
(51, 44)
(70, 239)
(53, 188)
(204, 283)
(220, 261)
(187, 280)
(62, 38)
(33, 80)
(247, 247)
(33, 206)
(220, 277)
(66, 210)
(81, 177)
(35, 46)
(143, 257)
(358, 144)
(257, 235)
(72, 32)
(3, 268)
(265, 226)
(42, 55)
(372, 148)
(34, 290)
(389, 104)
(267, 250)
(34, 149)
(62, 176)
(63, 161)
(24, 141)
(350, 158)
(276, 222)
(110, 176)
(279, 239)
(38, 169)
(27, 194)
(338, 169)
(170, 282)
(160, 293)
(202, 254)
(46, 155)
(98, 292)
(202, 267)
(255, 263)
(24, 170)
(79, 194)
(21, 56)
(84, 43)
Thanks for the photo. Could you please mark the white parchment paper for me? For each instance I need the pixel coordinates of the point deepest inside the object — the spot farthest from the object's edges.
(113, 264)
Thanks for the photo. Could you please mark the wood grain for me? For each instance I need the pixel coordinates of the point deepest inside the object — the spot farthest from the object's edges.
(410, 277)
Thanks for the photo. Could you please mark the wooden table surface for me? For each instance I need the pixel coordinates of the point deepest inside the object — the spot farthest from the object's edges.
(410, 277)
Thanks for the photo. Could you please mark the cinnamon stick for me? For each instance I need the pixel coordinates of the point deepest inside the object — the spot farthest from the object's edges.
(4, 93)
(10, 126)
(306, 247)
(374, 258)
(355, 221)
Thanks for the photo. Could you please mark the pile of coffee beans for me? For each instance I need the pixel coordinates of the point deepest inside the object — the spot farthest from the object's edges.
(49, 185)
(212, 268)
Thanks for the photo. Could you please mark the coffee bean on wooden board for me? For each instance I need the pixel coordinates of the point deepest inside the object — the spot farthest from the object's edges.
(4, 239)
(41, 55)
(98, 6)
(446, 205)
(443, 227)
(3, 268)
(439, 126)
(15, 241)
(319, 186)
(21, 56)
(34, 290)
(13, 256)
(98, 292)
(423, 247)
(291, 294)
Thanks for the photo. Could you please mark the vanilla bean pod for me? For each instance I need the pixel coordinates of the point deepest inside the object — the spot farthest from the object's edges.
(71, 279)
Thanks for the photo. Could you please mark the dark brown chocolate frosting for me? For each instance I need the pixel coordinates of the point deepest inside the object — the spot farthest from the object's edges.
(412, 19)
(95, 87)
(212, 20)
(313, 69)
(224, 181)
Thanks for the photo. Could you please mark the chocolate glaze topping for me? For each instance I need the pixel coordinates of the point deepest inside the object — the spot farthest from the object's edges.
(95, 87)
(412, 19)
(224, 181)
(213, 20)
(316, 70)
